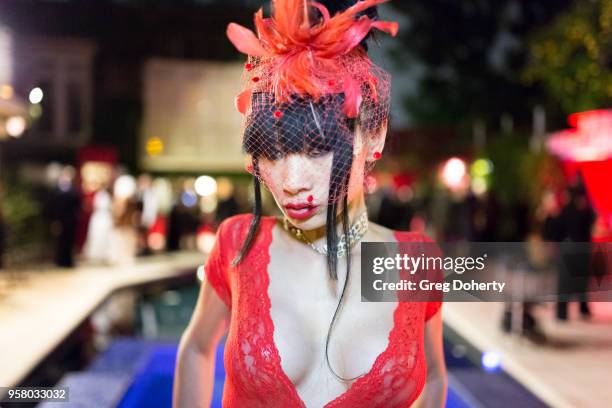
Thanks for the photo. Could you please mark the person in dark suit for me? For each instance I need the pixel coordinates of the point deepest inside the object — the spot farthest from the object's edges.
(66, 207)
(577, 221)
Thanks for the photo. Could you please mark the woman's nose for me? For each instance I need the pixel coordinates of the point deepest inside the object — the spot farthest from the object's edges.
(296, 177)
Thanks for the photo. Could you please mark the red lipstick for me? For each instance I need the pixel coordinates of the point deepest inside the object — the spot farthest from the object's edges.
(300, 211)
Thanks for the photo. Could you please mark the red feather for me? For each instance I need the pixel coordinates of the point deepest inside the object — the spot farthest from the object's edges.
(245, 40)
(300, 57)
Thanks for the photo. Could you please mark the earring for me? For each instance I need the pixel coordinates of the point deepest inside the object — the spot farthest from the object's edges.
(377, 155)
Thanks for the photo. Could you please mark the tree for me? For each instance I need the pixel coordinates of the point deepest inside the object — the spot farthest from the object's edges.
(572, 57)
(472, 52)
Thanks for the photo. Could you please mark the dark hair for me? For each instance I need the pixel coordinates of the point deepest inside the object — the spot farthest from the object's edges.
(307, 127)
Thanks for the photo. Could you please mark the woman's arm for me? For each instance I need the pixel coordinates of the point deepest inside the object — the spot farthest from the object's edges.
(195, 363)
(434, 393)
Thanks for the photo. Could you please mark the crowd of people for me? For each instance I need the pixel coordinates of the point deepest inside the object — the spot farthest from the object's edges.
(120, 219)
(114, 222)
(564, 216)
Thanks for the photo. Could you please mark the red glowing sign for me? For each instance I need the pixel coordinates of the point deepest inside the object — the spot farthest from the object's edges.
(590, 139)
(587, 148)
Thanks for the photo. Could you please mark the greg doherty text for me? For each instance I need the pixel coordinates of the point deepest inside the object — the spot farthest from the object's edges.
(445, 287)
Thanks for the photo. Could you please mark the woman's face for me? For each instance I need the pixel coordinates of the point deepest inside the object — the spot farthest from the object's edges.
(300, 183)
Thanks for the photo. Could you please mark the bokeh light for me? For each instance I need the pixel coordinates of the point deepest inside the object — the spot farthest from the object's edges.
(6, 91)
(200, 273)
(125, 186)
(205, 186)
(491, 361)
(206, 241)
(156, 241)
(36, 95)
(15, 126)
(35, 111)
(189, 198)
(154, 146)
(479, 185)
(454, 172)
(481, 167)
(208, 204)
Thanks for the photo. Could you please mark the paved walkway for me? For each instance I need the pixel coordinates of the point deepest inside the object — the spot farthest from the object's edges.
(572, 370)
(37, 315)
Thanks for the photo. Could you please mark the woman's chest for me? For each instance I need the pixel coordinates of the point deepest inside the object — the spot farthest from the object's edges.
(303, 330)
(287, 310)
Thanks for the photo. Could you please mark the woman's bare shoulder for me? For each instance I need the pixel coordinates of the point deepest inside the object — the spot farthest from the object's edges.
(380, 233)
(390, 235)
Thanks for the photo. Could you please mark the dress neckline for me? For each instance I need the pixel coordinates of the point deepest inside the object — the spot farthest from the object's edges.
(269, 223)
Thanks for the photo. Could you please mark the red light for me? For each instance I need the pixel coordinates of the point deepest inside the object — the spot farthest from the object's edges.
(579, 119)
(589, 140)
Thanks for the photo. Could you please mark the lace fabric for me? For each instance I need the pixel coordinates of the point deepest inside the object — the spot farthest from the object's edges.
(255, 377)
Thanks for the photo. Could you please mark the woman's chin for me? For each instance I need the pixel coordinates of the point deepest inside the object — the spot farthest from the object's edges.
(316, 221)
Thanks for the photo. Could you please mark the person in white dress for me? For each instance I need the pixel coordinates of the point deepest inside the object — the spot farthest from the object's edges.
(98, 242)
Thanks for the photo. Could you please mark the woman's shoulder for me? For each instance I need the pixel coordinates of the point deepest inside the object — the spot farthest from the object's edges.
(399, 236)
(242, 220)
(234, 229)
(235, 221)
(417, 241)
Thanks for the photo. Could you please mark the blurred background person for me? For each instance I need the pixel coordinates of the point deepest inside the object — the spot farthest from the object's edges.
(65, 213)
(148, 209)
(173, 232)
(227, 204)
(184, 220)
(97, 244)
(126, 222)
(547, 227)
(577, 219)
(395, 210)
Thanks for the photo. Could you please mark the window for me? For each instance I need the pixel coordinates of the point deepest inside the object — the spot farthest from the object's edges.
(75, 108)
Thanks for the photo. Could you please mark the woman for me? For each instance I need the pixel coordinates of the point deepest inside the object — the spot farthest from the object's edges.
(288, 289)
(98, 243)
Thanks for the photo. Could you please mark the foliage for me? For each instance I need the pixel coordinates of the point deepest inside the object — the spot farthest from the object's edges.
(539, 171)
(21, 214)
(472, 52)
(573, 56)
(507, 152)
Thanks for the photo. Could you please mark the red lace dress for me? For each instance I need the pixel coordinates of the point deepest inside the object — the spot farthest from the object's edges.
(254, 375)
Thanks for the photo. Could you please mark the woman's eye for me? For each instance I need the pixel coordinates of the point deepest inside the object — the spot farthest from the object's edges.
(276, 155)
(315, 153)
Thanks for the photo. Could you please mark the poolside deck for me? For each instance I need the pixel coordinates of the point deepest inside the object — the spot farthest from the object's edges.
(48, 305)
(571, 370)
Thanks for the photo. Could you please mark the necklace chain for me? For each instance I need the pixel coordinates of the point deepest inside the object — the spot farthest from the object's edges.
(356, 231)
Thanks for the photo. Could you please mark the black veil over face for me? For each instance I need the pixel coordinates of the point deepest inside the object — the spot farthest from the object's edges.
(302, 126)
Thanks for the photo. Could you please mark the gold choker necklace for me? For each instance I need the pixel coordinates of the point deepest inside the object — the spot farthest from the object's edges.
(356, 231)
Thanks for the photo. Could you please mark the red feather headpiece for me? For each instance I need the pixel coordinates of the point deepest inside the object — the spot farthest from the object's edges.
(290, 55)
